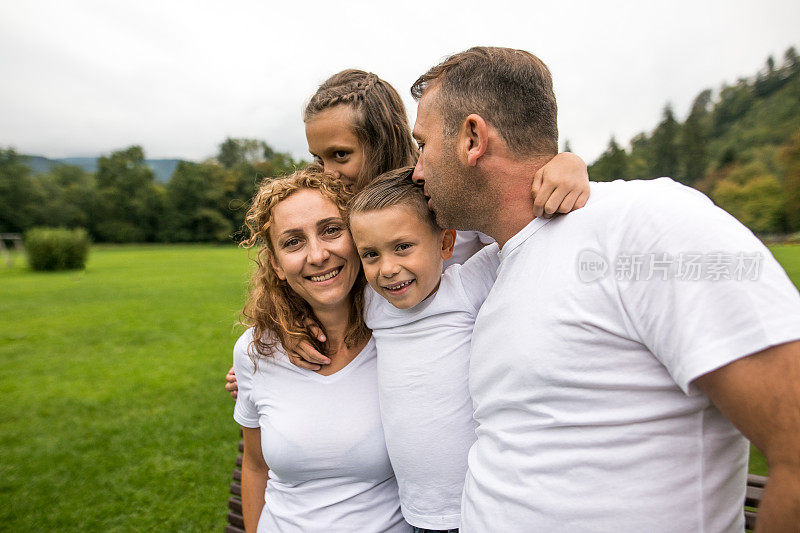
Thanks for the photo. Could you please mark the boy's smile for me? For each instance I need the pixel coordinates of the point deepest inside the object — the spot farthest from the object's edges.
(402, 254)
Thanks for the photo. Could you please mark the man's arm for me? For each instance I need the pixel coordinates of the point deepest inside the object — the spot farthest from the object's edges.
(760, 395)
(255, 474)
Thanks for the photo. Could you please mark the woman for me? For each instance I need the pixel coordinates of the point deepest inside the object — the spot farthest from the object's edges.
(323, 447)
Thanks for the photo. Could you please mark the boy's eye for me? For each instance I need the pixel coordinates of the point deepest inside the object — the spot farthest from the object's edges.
(403, 246)
(369, 255)
(420, 145)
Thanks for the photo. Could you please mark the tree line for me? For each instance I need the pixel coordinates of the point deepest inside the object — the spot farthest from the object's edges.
(741, 147)
(121, 202)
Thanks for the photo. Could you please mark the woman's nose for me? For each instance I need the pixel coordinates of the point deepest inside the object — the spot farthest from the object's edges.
(317, 252)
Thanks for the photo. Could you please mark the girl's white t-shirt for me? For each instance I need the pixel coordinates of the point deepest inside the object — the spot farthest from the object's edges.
(467, 244)
(323, 441)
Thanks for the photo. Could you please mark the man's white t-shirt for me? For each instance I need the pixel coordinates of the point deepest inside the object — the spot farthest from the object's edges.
(322, 438)
(583, 358)
(423, 361)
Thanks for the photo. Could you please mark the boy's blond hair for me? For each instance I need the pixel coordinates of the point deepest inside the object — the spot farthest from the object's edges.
(393, 188)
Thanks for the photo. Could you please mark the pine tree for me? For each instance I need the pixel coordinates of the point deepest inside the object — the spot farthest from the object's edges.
(693, 142)
(665, 145)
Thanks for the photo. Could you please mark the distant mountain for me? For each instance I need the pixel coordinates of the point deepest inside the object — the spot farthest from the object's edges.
(162, 168)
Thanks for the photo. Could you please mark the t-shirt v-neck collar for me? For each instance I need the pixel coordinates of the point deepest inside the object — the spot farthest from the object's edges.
(522, 235)
(343, 371)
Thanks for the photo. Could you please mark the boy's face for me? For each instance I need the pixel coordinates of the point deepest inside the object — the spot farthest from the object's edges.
(402, 255)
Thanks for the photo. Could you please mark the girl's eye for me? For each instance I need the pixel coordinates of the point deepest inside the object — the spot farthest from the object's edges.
(420, 145)
(339, 154)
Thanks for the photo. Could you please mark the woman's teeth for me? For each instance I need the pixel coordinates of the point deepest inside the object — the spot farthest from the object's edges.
(329, 275)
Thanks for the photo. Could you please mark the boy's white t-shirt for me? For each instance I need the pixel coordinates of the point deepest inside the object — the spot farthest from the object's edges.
(583, 358)
(322, 439)
(423, 359)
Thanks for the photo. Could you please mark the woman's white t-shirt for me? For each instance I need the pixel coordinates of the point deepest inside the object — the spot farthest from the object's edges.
(323, 441)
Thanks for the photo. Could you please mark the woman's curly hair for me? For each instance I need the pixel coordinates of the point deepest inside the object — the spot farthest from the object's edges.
(276, 313)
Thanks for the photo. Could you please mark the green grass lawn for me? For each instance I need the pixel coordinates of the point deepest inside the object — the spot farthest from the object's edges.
(113, 415)
(789, 258)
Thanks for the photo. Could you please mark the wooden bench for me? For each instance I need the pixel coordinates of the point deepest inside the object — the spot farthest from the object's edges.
(755, 488)
(235, 519)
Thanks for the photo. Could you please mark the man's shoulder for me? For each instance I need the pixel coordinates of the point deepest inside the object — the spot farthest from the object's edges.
(654, 203)
(642, 192)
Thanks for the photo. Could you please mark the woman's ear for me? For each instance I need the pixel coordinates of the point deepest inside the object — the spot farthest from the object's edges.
(276, 267)
(448, 241)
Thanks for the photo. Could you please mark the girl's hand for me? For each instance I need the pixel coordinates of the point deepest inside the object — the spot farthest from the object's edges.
(230, 383)
(560, 186)
(303, 354)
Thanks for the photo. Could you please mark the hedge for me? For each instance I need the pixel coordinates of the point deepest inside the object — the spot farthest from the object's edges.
(56, 248)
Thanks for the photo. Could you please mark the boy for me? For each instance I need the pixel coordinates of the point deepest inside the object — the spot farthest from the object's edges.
(422, 322)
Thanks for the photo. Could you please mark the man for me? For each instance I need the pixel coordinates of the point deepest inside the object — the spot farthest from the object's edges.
(621, 346)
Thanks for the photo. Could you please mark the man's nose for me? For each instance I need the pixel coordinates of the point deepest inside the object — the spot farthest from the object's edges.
(417, 176)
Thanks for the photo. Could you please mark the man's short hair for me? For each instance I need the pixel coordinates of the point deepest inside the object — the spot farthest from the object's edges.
(390, 189)
(511, 89)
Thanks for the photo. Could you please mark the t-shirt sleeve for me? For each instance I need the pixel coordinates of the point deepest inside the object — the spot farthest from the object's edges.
(244, 412)
(479, 273)
(707, 291)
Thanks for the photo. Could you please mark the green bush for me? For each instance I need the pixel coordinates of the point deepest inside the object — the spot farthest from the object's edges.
(56, 248)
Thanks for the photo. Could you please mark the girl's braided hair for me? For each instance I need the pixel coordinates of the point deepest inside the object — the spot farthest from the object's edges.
(379, 120)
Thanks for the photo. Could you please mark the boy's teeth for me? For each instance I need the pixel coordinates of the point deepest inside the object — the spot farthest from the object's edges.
(329, 275)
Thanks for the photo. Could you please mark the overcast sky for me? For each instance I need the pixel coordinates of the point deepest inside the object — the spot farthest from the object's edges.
(82, 78)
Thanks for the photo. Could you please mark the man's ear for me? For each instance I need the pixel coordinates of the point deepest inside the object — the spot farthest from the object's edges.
(448, 241)
(278, 270)
(473, 139)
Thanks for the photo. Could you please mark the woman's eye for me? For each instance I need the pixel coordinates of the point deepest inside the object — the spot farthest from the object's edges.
(291, 242)
(332, 230)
